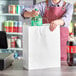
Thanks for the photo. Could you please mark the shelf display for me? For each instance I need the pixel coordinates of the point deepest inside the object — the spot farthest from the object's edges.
(14, 9)
(14, 42)
(12, 26)
(12, 23)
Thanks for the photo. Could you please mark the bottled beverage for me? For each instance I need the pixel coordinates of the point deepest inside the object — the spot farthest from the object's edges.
(37, 20)
(71, 53)
(17, 9)
(15, 28)
(12, 9)
(18, 42)
(19, 27)
(9, 42)
(6, 26)
(11, 23)
(13, 41)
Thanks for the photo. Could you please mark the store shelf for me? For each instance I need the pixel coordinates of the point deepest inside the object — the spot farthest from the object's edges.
(20, 49)
(15, 33)
(8, 14)
(74, 13)
(15, 48)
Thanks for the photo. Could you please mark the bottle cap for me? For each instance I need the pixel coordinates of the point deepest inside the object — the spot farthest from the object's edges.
(36, 9)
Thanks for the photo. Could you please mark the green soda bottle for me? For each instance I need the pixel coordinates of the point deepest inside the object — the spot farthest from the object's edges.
(37, 20)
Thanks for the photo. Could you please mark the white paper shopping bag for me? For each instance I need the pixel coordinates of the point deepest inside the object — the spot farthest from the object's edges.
(41, 47)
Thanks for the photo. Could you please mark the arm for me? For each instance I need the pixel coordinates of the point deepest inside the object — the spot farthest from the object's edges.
(40, 7)
(65, 19)
(33, 13)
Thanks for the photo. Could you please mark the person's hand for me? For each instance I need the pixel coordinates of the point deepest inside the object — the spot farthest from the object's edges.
(55, 23)
(33, 13)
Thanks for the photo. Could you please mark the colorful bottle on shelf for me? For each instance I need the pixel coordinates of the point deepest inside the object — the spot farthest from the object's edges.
(13, 41)
(6, 26)
(19, 27)
(12, 9)
(18, 9)
(18, 42)
(9, 42)
(15, 28)
(37, 20)
(11, 23)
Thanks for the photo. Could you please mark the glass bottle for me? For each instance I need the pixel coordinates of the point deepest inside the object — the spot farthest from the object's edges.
(71, 53)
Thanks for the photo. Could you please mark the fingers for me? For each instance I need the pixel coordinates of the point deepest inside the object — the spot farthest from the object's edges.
(34, 13)
(52, 26)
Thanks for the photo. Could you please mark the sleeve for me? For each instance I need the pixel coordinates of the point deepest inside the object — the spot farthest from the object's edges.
(39, 6)
(67, 17)
(24, 9)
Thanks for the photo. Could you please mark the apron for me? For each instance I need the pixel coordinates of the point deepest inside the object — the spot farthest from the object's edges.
(53, 13)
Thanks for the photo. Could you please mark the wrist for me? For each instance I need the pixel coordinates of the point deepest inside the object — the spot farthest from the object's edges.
(61, 22)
